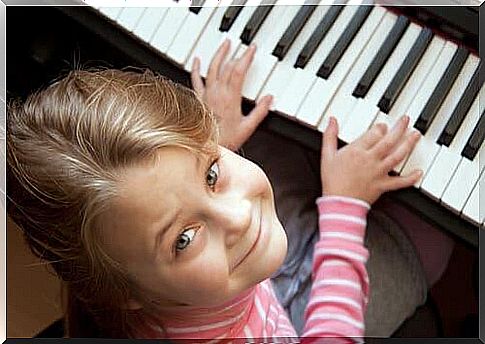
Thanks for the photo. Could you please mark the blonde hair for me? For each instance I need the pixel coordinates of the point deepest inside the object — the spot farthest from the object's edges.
(66, 145)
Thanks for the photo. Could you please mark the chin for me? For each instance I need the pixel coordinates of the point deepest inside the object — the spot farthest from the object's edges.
(264, 265)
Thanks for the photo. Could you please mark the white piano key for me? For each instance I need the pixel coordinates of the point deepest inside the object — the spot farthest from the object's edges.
(234, 33)
(428, 87)
(331, 85)
(173, 20)
(208, 41)
(303, 79)
(190, 31)
(474, 209)
(92, 3)
(257, 74)
(395, 60)
(412, 86)
(111, 12)
(290, 100)
(211, 38)
(149, 22)
(448, 158)
(366, 109)
(368, 53)
(266, 38)
(343, 102)
(363, 113)
(129, 17)
(342, 68)
(274, 26)
(462, 182)
(281, 74)
(440, 172)
(417, 78)
(426, 149)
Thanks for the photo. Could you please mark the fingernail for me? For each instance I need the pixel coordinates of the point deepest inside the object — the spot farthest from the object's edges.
(420, 173)
(269, 99)
(382, 126)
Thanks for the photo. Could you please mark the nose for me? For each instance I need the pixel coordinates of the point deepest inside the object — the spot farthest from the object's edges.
(234, 218)
(240, 197)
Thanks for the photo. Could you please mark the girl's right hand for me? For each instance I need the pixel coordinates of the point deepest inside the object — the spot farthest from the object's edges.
(360, 169)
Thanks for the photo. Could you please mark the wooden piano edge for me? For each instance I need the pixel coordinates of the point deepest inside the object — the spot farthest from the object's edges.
(144, 55)
(459, 25)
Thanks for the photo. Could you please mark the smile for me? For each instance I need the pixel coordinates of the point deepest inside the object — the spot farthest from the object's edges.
(254, 244)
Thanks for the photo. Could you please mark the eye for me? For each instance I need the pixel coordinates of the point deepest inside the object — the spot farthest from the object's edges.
(184, 239)
(213, 174)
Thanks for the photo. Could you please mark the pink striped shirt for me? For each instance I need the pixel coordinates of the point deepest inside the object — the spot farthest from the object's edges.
(338, 297)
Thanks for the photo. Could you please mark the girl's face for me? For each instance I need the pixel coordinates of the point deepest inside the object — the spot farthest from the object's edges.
(195, 230)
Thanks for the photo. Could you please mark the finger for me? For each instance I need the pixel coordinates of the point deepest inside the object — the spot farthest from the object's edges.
(329, 141)
(241, 68)
(372, 136)
(256, 116)
(215, 65)
(227, 72)
(400, 182)
(402, 151)
(392, 138)
(197, 83)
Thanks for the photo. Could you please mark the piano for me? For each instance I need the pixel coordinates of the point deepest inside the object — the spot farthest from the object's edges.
(361, 64)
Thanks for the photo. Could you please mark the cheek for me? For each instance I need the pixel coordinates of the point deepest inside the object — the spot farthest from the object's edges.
(275, 253)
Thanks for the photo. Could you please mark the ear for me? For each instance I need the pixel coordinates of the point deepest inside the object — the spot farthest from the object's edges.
(133, 305)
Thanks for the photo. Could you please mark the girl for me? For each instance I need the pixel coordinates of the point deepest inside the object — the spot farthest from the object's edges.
(158, 230)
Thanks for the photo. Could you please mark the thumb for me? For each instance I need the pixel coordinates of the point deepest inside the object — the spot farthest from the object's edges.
(259, 113)
(329, 142)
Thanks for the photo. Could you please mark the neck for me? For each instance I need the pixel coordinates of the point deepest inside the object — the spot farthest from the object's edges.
(190, 316)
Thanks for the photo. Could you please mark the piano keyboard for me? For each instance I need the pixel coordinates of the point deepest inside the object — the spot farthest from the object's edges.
(361, 64)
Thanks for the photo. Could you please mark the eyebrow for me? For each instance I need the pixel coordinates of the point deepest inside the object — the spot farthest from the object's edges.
(160, 236)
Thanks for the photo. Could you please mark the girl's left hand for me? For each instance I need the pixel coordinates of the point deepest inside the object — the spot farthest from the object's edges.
(222, 92)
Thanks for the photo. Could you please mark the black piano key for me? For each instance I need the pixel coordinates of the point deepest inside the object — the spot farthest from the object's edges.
(404, 73)
(255, 23)
(230, 15)
(343, 42)
(293, 31)
(476, 139)
(317, 36)
(381, 57)
(196, 6)
(461, 109)
(441, 91)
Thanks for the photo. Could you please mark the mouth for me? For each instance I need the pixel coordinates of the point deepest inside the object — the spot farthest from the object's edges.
(253, 245)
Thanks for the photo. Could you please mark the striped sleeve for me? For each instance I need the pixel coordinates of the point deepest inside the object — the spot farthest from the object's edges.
(340, 289)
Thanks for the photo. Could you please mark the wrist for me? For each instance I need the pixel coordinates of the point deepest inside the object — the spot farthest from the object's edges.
(346, 199)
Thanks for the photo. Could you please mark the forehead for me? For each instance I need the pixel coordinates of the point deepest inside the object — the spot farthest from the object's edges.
(159, 180)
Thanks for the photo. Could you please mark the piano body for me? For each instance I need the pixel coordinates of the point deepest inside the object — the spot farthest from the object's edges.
(361, 64)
